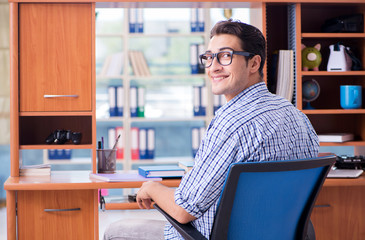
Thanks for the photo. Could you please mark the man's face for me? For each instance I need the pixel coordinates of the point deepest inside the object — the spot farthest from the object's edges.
(232, 79)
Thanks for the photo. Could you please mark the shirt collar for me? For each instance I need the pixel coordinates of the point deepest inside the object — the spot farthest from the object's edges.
(253, 90)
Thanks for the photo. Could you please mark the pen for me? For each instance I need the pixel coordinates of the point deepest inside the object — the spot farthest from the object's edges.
(102, 142)
(115, 145)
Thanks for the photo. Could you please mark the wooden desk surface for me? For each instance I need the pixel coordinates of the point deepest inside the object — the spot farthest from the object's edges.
(345, 182)
(68, 180)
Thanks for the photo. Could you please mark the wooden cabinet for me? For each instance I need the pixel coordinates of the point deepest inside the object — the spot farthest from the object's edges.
(55, 48)
(56, 214)
(339, 213)
(327, 115)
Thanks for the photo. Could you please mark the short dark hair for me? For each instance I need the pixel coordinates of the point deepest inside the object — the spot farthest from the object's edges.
(252, 39)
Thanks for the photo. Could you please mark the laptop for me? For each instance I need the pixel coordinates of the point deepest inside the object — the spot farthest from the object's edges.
(344, 173)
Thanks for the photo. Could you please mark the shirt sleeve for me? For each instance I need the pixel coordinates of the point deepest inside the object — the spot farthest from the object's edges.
(201, 187)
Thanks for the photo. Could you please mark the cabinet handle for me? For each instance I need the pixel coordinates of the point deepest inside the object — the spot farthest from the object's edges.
(62, 210)
(58, 96)
(322, 206)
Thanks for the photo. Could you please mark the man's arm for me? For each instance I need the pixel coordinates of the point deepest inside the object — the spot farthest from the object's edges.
(164, 197)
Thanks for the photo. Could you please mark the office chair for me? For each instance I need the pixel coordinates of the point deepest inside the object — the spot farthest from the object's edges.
(265, 200)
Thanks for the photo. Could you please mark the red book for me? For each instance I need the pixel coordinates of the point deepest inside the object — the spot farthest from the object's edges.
(120, 144)
(134, 143)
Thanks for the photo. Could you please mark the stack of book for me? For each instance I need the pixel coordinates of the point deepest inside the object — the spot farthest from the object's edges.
(35, 170)
(139, 63)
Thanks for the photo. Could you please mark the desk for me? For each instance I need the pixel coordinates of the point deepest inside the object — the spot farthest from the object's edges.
(339, 213)
(71, 190)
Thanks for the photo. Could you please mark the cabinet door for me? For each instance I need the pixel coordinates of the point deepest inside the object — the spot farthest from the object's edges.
(63, 214)
(340, 213)
(55, 46)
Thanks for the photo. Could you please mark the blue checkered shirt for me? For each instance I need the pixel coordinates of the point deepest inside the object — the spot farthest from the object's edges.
(254, 126)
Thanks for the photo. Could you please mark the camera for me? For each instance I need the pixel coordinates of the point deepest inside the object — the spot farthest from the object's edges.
(63, 136)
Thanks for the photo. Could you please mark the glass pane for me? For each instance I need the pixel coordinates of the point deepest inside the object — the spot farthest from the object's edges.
(218, 14)
(109, 20)
(168, 20)
(166, 55)
(109, 56)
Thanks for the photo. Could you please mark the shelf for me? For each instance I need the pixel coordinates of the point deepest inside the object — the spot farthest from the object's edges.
(69, 161)
(333, 35)
(338, 144)
(40, 114)
(54, 146)
(136, 119)
(164, 160)
(159, 77)
(334, 111)
(325, 73)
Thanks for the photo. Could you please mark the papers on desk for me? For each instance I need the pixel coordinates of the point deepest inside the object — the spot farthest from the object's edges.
(121, 177)
(344, 173)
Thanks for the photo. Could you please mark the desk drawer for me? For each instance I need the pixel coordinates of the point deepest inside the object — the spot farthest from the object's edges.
(66, 214)
(339, 213)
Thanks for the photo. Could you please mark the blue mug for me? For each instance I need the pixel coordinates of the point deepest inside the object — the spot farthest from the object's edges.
(351, 96)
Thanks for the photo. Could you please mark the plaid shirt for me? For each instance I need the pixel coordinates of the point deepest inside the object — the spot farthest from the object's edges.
(254, 126)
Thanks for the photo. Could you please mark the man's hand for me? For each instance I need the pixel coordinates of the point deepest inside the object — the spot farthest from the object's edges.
(144, 200)
(164, 197)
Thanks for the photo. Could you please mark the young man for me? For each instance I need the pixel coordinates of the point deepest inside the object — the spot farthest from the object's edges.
(254, 125)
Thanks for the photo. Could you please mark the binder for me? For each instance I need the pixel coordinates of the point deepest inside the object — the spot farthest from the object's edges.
(193, 20)
(112, 93)
(216, 102)
(140, 102)
(132, 20)
(150, 143)
(201, 50)
(200, 20)
(203, 101)
(195, 140)
(120, 145)
(194, 59)
(143, 143)
(139, 27)
(134, 143)
(120, 101)
(196, 101)
(163, 171)
(133, 102)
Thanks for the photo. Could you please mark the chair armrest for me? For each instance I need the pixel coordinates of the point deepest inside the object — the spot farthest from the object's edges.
(187, 231)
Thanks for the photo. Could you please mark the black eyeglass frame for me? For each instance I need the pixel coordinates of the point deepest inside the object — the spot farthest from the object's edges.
(241, 53)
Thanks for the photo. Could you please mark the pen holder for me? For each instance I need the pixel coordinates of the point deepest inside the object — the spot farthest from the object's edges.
(107, 161)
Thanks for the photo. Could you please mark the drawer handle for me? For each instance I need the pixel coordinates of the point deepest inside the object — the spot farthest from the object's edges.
(58, 96)
(62, 210)
(322, 206)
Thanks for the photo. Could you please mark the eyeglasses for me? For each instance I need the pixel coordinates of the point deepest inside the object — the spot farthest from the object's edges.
(224, 57)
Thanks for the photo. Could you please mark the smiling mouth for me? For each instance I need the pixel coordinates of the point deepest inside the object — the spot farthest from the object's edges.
(217, 79)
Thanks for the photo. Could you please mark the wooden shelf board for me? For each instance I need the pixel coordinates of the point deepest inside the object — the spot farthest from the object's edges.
(325, 73)
(55, 146)
(35, 114)
(337, 144)
(333, 35)
(335, 111)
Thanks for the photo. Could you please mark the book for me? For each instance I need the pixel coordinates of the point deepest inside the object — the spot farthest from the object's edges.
(285, 75)
(121, 177)
(186, 165)
(335, 137)
(163, 171)
(35, 170)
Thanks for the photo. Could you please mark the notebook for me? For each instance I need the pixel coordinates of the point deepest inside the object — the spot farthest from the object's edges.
(344, 173)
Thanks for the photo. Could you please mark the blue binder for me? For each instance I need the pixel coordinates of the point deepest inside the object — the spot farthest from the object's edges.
(163, 171)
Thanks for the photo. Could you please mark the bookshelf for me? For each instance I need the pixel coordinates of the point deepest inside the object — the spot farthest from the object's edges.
(159, 80)
(332, 206)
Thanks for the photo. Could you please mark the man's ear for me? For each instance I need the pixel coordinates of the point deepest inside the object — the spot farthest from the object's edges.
(254, 63)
